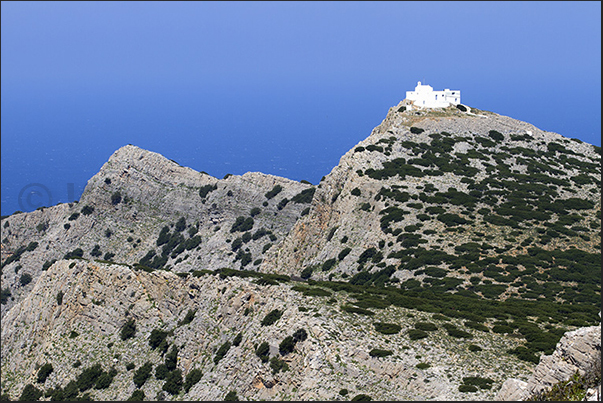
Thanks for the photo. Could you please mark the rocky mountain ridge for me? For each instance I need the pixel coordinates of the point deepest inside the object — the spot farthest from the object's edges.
(443, 254)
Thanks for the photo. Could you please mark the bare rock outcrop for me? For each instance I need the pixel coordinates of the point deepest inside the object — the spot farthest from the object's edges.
(578, 351)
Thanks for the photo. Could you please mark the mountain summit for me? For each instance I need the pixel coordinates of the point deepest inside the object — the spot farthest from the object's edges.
(447, 252)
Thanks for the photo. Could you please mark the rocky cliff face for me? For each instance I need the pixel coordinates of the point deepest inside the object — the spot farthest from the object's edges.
(134, 196)
(445, 253)
(578, 351)
(99, 298)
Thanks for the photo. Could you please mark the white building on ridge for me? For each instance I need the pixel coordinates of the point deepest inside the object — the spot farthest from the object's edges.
(425, 97)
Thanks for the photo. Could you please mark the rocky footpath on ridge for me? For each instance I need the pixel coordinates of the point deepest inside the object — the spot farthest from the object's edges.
(451, 250)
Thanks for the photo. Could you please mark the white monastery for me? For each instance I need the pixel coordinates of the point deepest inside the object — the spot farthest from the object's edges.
(425, 97)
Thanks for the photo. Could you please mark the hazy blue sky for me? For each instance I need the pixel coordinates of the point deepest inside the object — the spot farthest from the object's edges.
(284, 88)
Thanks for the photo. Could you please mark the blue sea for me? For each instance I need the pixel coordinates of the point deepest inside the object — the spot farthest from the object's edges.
(54, 140)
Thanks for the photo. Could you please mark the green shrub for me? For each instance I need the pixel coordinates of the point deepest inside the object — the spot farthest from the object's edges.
(70, 391)
(188, 318)
(128, 330)
(377, 352)
(115, 198)
(416, 130)
(171, 358)
(343, 253)
(416, 334)
(231, 396)
(161, 371)
(173, 382)
(426, 326)
(387, 328)
(95, 252)
(286, 346)
(74, 216)
(156, 338)
(192, 378)
(137, 396)
(87, 210)
(474, 348)
(222, 351)
(25, 279)
(343, 392)
(104, 380)
(74, 254)
(361, 398)
(242, 224)
(458, 333)
(328, 264)
(275, 190)
(88, 377)
(278, 365)
(5, 295)
(263, 351)
(423, 365)
(205, 190)
(30, 393)
(355, 192)
(496, 136)
(44, 371)
(271, 317)
(482, 383)
(305, 196)
(467, 388)
(307, 272)
(300, 335)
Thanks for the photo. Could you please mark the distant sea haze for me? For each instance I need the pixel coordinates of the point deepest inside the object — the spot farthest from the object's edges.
(52, 147)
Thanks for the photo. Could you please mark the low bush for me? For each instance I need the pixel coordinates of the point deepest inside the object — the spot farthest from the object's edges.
(161, 372)
(467, 388)
(25, 279)
(426, 326)
(271, 317)
(482, 383)
(387, 328)
(275, 190)
(88, 377)
(156, 338)
(278, 365)
(377, 352)
(128, 330)
(188, 318)
(87, 210)
(192, 378)
(416, 334)
(416, 130)
(44, 372)
(171, 358)
(286, 346)
(361, 398)
(231, 396)
(263, 351)
(137, 396)
(173, 382)
(115, 198)
(5, 295)
(30, 393)
(222, 351)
